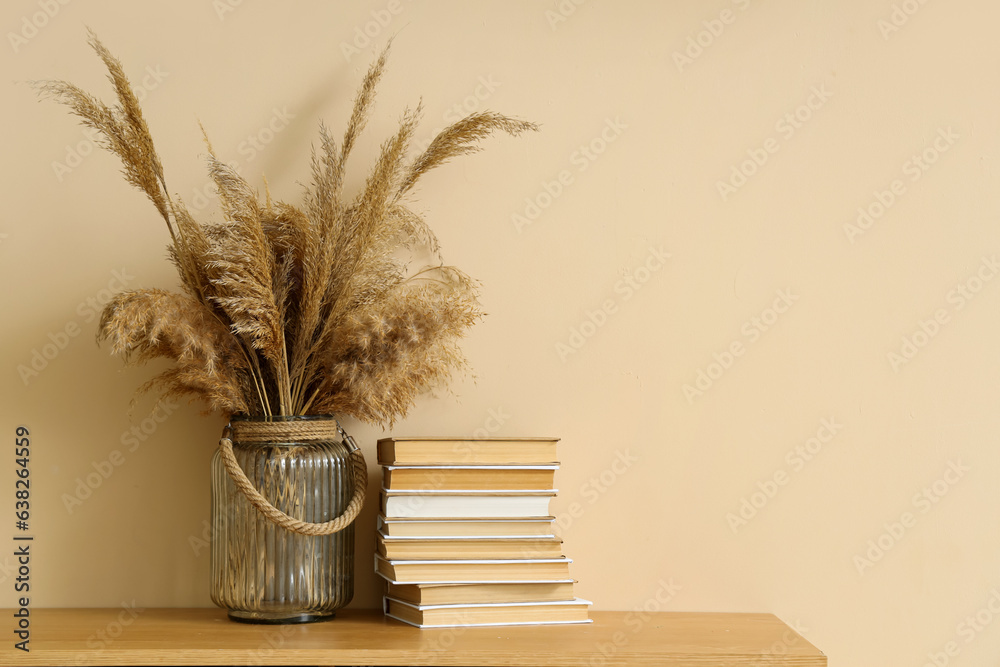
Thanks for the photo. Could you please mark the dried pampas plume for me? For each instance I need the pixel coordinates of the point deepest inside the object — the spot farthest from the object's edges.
(292, 310)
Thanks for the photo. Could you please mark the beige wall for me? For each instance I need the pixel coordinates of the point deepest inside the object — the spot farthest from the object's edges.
(590, 336)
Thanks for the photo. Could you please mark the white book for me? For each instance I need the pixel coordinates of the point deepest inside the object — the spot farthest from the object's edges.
(409, 538)
(493, 504)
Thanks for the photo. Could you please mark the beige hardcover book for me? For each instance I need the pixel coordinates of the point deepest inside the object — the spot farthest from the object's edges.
(510, 613)
(536, 591)
(458, 478)
(469, 548)
(466, 527)
(465, 504)
(471, 571)
(458, 451)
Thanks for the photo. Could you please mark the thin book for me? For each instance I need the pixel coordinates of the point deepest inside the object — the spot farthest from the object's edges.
(487, 614)
(465, 504)
(469, 548)
(535, 591)
(469, 477)
(464, 527)
(473, 571)
(459, 451)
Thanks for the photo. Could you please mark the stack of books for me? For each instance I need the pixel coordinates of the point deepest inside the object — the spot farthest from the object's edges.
(466, 536)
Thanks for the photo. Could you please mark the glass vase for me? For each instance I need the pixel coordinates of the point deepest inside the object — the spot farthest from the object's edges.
(263, 572)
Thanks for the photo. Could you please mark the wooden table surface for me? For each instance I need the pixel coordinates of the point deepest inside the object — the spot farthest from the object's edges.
(366, 637)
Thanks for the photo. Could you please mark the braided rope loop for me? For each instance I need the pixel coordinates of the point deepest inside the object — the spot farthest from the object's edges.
(306, 431)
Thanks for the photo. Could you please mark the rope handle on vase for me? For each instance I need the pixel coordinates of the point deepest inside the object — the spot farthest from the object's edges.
(359, 470)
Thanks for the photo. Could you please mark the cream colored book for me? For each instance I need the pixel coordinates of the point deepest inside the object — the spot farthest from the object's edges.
(469, 548)
(509, 613)
(471, 571)
(466, 504)
(457, 451)
(417, 528)
(535, 591)
(459, 478)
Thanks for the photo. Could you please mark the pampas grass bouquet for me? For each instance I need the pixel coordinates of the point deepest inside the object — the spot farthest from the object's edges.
(294, 309)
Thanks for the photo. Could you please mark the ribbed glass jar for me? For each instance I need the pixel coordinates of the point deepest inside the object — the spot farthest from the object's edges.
(261, 572)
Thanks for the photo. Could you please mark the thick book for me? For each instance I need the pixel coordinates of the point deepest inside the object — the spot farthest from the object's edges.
(510, 613)
(457, 451)
(459, 478)
(416, 528)
(471, 571)
(469, 548)
(466, 504)
(535, 591)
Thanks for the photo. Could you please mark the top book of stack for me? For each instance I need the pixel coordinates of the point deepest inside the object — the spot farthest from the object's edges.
(459, 451)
